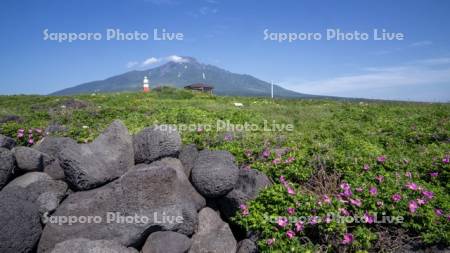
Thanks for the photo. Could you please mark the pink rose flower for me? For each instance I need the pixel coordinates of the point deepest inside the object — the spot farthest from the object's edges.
(366, 167)
(266, 153)
(373, 191)
(356, 202)
(314, 220)
(344, 212)
(290, 234)
(289, 160)
(299, 226)
(270, 241)
(282, 222)
(326, 199)
(347, 192)
(412, 205)
(380, 179)
(368, 218)
(276, 161)
(438, 212)
(408, 174)
(412, 186)
(244, 210)
(446, 159)
(348, 239)
(428, 194)
(396, 197)
(290, 191)
(421, 202)
(381, 159)
(283, 180)
(228, 137)
(291, 211)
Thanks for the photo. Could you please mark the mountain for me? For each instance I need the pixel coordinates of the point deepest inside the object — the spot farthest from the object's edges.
(180, 74)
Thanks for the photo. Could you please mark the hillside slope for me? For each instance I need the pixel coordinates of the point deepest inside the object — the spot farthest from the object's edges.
(182, 74)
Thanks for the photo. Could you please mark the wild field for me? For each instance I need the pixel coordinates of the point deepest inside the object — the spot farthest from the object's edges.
(350, 159)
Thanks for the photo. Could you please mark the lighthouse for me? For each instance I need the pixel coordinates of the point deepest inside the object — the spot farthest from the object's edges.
(145, 85)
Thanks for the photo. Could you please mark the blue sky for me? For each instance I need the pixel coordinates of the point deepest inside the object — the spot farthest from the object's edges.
(229, 34)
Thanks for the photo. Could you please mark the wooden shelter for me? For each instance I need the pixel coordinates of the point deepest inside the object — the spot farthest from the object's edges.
(200, 87)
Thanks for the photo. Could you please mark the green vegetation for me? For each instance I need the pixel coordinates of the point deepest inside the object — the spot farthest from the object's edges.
(362, 158)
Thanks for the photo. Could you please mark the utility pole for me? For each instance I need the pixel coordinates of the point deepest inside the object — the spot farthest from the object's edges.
(271, 89)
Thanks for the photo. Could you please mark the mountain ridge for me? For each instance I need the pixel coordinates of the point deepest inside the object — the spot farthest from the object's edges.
(183, 73)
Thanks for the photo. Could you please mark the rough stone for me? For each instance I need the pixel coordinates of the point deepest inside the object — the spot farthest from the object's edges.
(20, 226)
(214, 173)
(7, 142)
(53, 169)
(247, 246)
(109, 156)
(41, 189)
(28, 159)
(156, 142)
(26, 179)
(144, 192)
(6, 166)
(82, 245)
(52, 146)
(187, 156)
(166, 242)
(248, 186)
(174, 163)
(212, 235)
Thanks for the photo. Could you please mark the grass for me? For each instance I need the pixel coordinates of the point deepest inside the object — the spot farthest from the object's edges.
(337, 137)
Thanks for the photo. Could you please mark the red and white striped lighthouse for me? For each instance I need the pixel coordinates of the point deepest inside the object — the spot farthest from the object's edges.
(145, 85)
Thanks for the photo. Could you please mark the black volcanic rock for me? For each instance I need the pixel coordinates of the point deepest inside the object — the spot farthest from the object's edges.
(213, 234)
(6, 166)
(188, 155)
(146, 194)
(20, 226)
(108, 157)
(154, 142)
(248, 186)
(7, 142)
(166, 242)
(82, 245)
(214, 173)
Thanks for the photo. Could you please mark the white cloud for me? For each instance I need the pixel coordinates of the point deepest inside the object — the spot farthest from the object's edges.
(154, 60)
(418, 74)
(422, 43)
(132, 64)
(203, 11)
(150, 61)
(177, 59)
(411, 46)
(434, 61)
